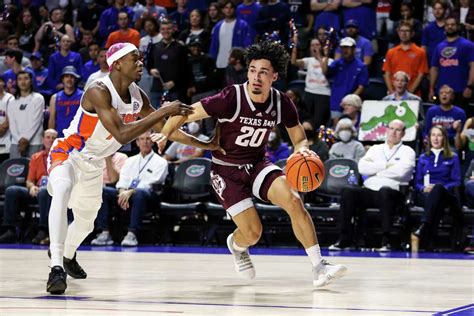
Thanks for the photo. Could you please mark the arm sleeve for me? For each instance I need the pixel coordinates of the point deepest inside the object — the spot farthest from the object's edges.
(368, 166)
(455, 179)
(289, 114)
(222, 105)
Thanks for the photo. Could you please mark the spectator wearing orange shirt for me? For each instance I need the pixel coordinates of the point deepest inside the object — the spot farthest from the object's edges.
(407, 57)
(124, 34)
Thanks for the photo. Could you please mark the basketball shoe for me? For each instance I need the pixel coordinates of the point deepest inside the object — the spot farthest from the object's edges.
(242, 263)
(56, 281)
(324, 273)
(72, 267)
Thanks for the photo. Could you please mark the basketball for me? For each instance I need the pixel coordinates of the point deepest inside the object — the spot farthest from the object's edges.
(304, 174)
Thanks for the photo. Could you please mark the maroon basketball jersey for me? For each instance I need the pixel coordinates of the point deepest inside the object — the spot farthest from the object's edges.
(245, 125)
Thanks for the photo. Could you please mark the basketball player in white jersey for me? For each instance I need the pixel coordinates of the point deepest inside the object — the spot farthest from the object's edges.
(105, 120)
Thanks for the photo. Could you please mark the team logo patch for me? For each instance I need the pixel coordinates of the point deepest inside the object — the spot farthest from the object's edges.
(448, 52)
(273, 113)
(195, 170)
(339, 171)
(218, 184)
(135, 106)
(15, 170)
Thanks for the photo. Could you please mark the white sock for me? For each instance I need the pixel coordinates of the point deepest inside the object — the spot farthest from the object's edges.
(237, 247)
(314, 254)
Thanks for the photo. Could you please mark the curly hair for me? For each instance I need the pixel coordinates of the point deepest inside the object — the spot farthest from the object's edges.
(271, 51)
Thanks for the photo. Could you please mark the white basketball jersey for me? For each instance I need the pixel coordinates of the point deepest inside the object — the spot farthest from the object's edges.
(88, 137)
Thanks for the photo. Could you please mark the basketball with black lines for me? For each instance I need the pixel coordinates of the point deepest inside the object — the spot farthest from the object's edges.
(304, 174)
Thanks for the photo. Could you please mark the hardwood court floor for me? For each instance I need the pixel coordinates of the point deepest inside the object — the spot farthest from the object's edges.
(130, 283)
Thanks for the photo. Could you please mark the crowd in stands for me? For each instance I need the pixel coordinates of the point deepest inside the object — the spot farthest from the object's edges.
(51, 51)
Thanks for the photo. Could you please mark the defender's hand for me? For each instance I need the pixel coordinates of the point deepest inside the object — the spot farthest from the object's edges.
(176, 108)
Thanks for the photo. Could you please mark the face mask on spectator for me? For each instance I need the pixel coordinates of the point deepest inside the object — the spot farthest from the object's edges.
(272, 136)
(193, 127)
(345, 136)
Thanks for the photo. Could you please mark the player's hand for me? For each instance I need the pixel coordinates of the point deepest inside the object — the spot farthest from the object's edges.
(124, 198)
(160, 140)
(177, 108)
(214, 144)
(305, 151)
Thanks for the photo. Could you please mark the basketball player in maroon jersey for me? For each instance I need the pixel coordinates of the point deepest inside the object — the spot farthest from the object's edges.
(246, 114)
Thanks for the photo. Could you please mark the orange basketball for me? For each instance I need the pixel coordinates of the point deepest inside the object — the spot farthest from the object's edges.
(304, 174)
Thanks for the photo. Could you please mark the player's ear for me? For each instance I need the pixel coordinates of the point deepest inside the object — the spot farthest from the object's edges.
(275, 76)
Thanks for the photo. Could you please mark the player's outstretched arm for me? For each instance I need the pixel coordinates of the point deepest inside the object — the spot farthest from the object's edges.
(172, 128)
(97, 99)
(174, 123)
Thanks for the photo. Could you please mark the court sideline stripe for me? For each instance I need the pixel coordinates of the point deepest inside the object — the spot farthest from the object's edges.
(88, 299)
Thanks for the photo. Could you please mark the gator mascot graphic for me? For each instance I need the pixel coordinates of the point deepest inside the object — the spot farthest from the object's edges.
(376, 128)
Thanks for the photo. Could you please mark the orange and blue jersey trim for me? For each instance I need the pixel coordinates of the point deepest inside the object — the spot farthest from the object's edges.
(85, 128)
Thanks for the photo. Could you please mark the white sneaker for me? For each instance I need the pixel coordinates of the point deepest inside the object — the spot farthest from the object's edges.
(324, 273)
(130, 240)
(103, 239)
(242, 263)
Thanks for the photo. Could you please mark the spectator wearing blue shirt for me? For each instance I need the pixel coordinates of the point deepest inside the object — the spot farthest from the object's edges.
(438, 174)
(326, 15)
(13, 59)
(433, 33)
(228, 32)
(274, 16)
(60, 59)
(364, 13)
(248, 11)
(364, 50)
(180, 17)
(64, 104)
(453, 64)
(92, 65)
(109, 17)
(349, 75)
(40, 74)
(445, 114)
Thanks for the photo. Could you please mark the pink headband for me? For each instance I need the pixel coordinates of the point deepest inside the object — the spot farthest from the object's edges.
(119, 50)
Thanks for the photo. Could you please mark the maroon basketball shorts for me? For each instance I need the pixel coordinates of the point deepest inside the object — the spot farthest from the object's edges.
(235, 185)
